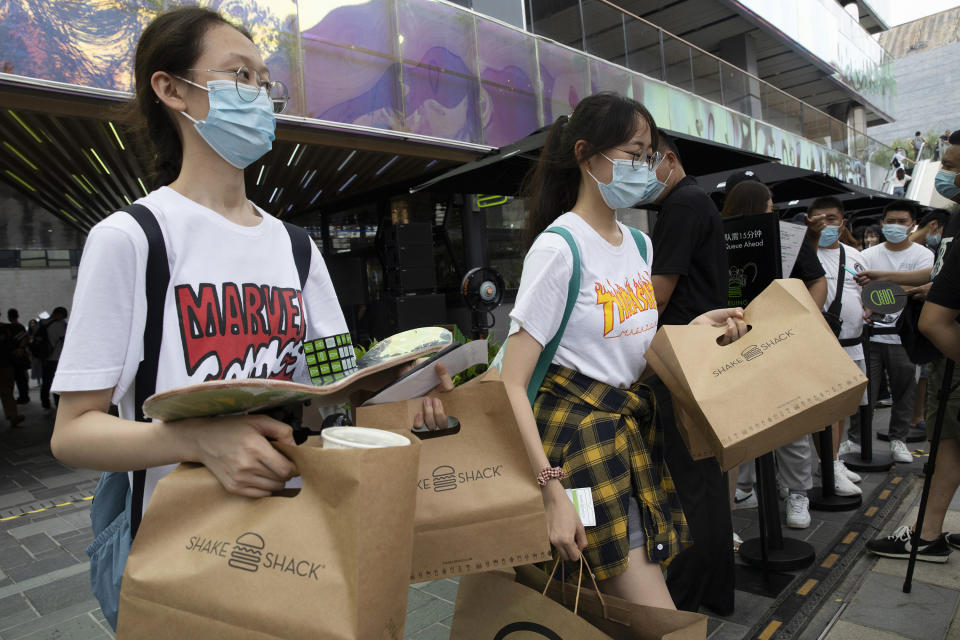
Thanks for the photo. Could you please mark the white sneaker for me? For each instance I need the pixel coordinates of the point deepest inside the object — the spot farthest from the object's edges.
(798, 511)
(899, 451)
(744, 500)
(848, 446)
(737, 541)
(841, 483)
(853, 477)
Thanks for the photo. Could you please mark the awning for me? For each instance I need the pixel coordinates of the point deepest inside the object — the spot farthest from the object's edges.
(65, 148)
(787, 184)
(502, 171)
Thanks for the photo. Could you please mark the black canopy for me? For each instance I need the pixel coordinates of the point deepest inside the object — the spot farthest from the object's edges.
(502, 171)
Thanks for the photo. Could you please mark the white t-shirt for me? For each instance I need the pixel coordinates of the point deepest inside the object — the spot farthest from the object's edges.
(615, 317)
(914, 257)
(234, 308)
(851, 309)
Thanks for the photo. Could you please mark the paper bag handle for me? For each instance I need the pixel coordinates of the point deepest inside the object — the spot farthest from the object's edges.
(576, 603)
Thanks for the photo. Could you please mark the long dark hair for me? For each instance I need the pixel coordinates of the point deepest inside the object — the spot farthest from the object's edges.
(749, 198)
(603, 120)
(172, 42)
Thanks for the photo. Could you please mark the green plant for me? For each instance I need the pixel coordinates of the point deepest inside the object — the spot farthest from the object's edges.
(492, 349)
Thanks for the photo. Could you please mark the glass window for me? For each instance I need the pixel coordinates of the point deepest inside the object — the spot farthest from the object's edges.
(441, 94)
(508, 77)
(558, 20)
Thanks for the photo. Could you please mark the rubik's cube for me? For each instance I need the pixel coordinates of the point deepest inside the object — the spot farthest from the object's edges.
(330, 359)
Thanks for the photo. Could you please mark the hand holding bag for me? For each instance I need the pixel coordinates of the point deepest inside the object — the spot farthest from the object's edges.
(786, 378)
(478, 503)
(329, 562)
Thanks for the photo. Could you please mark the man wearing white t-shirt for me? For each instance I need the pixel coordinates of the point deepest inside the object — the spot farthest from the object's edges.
(840, 263)
(887, 354)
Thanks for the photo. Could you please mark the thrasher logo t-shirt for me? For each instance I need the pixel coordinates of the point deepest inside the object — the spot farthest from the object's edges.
(615, 317)
(233, 309)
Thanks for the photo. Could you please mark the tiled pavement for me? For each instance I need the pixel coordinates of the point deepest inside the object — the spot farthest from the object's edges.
(45, 594)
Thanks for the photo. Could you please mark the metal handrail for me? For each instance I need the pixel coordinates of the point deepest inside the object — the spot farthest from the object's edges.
(746, 73)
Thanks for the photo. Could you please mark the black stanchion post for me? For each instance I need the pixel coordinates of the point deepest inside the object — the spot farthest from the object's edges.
(824, 497)
(928, 469)
(867, 460)
(776, 552)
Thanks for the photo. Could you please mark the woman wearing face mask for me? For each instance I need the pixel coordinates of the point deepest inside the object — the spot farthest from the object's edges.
(234, 306)
(592, 422)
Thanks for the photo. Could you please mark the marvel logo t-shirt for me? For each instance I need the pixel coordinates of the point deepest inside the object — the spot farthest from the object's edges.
(234, 307)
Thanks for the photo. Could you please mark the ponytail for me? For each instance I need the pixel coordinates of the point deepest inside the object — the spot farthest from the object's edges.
(603, 120)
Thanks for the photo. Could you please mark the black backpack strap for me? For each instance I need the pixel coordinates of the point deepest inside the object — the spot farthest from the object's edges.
(158, 279)
(837, 302)
(300, 242)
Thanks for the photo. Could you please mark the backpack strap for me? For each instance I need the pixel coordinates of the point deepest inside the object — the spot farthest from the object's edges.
(640, 240)
(573, 292)
(838, 299)
(158, 279)
(300, 243)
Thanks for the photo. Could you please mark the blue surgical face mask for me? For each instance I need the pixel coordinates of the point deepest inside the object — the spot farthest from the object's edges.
(933, 241)
(944, 184)
(894, 233)
(630, 186)
(240, 131)
(829, 235)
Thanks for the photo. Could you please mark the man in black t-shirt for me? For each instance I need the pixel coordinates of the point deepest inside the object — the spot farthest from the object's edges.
(938, 321)
(689, 278)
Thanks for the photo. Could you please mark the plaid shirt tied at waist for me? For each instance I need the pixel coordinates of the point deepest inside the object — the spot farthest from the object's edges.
(606, 439)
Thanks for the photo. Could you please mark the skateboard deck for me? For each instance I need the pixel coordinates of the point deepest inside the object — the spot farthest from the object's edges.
(332, 367)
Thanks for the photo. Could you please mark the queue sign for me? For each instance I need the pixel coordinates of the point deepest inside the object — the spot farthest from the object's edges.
(753, 256)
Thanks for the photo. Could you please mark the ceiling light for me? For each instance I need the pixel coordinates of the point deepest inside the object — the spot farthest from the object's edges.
(20, 180)
(117, 136)
(259, 177)
(75, 203)
(24, 125)
(80, 182)
(310, 178)
(94, 152)
(389, 162)
(20, 155)
(347, 183)
(141, 186)
(273, 195)
(349, 158)
(314, 199)
(293, 155)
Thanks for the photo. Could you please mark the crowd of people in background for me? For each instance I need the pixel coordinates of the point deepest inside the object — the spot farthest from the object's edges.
(29, 353)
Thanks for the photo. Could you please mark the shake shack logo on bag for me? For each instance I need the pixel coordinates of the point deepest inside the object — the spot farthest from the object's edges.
(446, 478)
(753, 352)
(249, 553)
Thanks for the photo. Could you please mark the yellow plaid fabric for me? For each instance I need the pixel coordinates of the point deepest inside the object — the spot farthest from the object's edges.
(606, 439)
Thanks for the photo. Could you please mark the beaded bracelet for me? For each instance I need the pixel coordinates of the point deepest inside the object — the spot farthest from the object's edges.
(550, 473)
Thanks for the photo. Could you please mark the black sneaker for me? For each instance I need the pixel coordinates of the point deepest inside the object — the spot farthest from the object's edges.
(898, 545)
(953, 539)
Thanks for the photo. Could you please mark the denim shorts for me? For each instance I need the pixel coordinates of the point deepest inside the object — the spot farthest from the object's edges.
(634, 526)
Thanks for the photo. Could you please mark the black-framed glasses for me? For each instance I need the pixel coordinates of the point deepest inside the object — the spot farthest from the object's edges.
(247, 78)
(640, 159)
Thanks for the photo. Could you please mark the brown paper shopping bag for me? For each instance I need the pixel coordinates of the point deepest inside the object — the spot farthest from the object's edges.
(618, 618)
(491, 606)
(478, 503)
(330, 562)
(786, 378)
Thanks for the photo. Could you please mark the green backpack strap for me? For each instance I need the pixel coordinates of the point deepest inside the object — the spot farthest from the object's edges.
(640, 240)
(573, 292)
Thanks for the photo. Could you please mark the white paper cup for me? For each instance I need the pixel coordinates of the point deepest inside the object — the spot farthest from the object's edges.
(360, 438)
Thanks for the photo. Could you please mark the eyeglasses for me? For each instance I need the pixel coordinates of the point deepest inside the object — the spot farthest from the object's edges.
(250, 78)
(640, 159)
